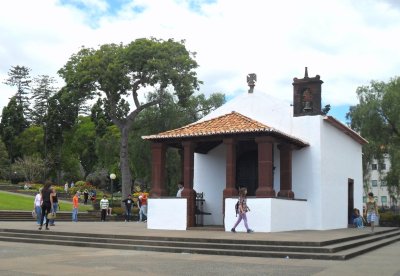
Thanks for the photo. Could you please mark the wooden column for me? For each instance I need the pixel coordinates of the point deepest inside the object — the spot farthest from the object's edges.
(265, 167)
(230, 185)
(158, 170)
(286, 171)
(181, 163)
(188, 192)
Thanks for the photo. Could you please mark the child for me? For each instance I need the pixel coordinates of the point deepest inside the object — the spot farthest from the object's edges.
(243, 209)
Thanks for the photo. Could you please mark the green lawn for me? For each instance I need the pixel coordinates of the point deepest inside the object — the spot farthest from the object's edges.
(13, 201)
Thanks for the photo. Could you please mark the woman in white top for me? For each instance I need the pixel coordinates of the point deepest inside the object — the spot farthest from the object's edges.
(37, 207)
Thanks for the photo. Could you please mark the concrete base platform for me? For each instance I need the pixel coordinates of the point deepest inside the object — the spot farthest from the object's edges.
(341, 244)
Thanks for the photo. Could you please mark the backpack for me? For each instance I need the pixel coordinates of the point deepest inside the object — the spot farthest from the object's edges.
(237, 207)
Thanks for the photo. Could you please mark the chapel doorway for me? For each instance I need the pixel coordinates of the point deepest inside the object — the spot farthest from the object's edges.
(350, 197)
(247, 171)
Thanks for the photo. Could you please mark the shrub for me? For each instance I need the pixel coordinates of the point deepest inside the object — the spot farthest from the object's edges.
(389, 219)
(81, 186)
(118, 211)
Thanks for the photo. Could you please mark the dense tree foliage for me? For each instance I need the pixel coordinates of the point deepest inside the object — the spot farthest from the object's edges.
(19, 76)
(12, 124)
(42, 91)
(4, 162)
(377, 118)
(119, 73)
(138, 89)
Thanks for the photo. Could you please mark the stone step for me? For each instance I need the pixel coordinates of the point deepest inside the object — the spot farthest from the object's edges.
(61, 216)
(340, 250)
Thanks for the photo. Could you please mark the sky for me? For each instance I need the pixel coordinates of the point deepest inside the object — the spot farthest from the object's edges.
(347, 42)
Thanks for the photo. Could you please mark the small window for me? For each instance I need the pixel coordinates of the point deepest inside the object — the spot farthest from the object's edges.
(384, 200)
(364, 199)
(383, 166)
(374, 167)
(383, 183)
(374, 183)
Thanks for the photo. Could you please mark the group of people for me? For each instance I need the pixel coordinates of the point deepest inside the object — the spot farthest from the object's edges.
(129, 204)
(45, 203)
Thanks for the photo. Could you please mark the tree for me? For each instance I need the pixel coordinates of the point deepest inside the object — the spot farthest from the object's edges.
(12, 124)
(19, 76)
(81, 142)
(62, 112)
(377, 118)
(119, 72)
(30, 141)
(100, 118)
(4, 162)
(42, 91)
(31, 167)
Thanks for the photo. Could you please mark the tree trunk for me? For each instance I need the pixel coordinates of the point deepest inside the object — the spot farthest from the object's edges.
(124, 161)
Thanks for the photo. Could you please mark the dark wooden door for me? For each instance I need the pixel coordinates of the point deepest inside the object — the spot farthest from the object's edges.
(247, 172)
(350, 197)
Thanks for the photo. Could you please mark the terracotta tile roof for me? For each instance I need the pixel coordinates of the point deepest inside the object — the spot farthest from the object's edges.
(231, 123)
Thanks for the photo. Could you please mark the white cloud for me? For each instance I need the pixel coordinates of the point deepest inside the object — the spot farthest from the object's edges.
(347, 43)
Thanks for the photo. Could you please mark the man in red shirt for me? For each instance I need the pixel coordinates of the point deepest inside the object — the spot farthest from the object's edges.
(75, 202)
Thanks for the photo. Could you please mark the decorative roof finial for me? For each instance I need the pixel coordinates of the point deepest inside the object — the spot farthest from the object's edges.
(306, 73)
(251, 81)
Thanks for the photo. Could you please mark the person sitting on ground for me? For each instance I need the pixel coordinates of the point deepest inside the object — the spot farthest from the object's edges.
(357, 221)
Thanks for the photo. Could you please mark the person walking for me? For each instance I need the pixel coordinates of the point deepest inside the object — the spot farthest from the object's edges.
(104, 204)
(143, 207)
(75, 203)
(46, 203)
(128, 208)
(85, 196)
(242, 210)
(55, 205)
(371, 210)
(37, 207)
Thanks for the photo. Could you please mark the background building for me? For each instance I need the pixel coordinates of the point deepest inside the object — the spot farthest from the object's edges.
(377, 184)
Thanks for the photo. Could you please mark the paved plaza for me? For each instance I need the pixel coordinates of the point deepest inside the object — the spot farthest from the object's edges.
(47, 259)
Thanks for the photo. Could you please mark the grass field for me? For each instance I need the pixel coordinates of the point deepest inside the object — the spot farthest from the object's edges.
(14, 201)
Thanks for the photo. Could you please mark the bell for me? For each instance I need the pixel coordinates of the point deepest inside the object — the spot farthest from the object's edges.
(307, 107)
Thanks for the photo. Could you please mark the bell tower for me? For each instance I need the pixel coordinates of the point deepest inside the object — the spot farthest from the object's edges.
(307, 95)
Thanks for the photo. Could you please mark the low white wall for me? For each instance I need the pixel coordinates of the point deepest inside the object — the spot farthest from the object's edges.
(167, 213)
(269, 215)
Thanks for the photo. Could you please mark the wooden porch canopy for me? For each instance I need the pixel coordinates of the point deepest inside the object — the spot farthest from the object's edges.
(201, 137)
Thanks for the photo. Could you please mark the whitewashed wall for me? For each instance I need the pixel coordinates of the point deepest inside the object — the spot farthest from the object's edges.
(268, 215)
(306, 168)
(210, 179)
(342, 159)
(167, 213)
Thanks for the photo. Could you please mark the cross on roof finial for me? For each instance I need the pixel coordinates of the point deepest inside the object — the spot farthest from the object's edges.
(251, 81)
